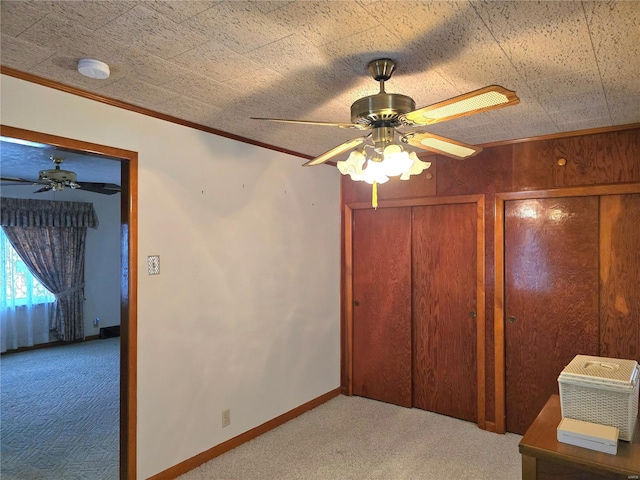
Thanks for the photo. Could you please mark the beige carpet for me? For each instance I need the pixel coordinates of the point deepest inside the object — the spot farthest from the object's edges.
(356, 438)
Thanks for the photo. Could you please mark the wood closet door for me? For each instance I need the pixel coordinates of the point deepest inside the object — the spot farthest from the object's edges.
(551, 297)
(382, 304)
(444, 295)
(620, 276)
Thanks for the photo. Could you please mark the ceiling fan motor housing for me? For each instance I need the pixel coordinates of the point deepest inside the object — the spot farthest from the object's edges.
(57, 175)
(382, 109)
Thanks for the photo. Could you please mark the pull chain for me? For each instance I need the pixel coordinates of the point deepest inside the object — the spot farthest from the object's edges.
(374, 195)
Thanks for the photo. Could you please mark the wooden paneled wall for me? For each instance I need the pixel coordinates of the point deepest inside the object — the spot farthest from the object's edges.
(578, 159)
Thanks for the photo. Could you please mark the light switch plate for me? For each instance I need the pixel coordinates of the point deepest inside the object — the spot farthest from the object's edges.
(153, 264)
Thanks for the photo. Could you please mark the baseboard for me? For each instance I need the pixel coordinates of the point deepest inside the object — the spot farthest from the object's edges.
(490, 427)
(110, 332)
(56, 343)
(196, 461)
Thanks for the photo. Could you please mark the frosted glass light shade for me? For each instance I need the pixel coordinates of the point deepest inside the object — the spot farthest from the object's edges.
(375, 172)
(417, 167)
(352, 166)
(396, 161)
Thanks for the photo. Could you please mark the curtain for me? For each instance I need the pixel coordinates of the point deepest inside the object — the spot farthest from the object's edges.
(26, 307)
(50, 238)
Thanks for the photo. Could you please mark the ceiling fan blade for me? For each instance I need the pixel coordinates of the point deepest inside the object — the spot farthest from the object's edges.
(442, 145)
(8, 181)
(101, 185)
(311, 122)
(43, 189)
(348, 145)
(482, 100)
(103, 188)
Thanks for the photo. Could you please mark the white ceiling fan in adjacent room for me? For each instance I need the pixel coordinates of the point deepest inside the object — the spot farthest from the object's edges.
(57, 179)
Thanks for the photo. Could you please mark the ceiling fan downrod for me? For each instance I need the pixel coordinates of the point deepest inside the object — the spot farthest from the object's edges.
(381, 71)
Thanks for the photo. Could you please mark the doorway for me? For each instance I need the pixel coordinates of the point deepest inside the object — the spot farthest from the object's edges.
(128, 277)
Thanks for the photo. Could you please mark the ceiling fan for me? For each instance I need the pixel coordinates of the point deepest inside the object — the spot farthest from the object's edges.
(57, 179)
(383, 114)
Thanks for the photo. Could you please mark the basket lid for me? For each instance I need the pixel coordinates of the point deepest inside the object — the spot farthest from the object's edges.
(600, 369)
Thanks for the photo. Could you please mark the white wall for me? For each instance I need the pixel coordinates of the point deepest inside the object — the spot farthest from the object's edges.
(102, 260)
(245, 312)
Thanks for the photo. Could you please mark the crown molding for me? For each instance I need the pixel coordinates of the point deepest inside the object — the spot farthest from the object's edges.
(555, 136)
(12, 72)
(28, 77)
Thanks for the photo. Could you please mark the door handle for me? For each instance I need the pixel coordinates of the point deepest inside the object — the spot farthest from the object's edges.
(356, 303)
(511, 319)
(473, 314)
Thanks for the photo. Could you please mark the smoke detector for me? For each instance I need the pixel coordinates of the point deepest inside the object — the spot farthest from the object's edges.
(93, 68)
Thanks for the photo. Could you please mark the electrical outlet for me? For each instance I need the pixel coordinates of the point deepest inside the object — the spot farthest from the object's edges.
(226, 417)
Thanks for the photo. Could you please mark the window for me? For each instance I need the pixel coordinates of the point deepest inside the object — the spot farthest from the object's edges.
(21, 287)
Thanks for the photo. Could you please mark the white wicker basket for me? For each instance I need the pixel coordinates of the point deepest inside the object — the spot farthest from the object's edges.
(601, 390)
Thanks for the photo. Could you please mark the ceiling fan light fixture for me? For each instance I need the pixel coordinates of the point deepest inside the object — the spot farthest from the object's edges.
(93, 68)
(394, 161)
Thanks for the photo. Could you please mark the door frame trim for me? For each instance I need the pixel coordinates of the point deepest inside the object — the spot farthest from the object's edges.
(346, 343)
(128, 280)
(499, 299)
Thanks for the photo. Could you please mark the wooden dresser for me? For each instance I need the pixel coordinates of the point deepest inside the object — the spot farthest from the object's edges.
(544, 458)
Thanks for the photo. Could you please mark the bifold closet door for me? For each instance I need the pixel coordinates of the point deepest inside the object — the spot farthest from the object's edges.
(551, 297)
(620, 276)
(382, 304)
(444, 265)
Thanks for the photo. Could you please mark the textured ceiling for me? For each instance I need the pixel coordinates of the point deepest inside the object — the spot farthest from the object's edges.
(574, 65)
